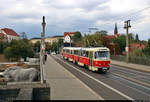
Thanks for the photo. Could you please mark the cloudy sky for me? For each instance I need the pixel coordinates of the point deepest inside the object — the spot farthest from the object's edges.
(75, 15)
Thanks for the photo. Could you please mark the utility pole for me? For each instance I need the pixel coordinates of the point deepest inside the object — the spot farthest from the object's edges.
(42, 52)
(127, 26)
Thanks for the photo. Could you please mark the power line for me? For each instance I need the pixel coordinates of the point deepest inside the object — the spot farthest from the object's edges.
(126, 15)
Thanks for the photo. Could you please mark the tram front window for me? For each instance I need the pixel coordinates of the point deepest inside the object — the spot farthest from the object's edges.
(102, 55)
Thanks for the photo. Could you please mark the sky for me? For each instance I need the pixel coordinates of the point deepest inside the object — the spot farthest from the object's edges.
(75, 15)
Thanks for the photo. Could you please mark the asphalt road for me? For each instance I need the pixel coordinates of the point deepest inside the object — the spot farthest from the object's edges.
(118, 84)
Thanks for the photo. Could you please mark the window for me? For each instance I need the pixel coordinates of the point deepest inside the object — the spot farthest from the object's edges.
(87, 53)
(101, 55)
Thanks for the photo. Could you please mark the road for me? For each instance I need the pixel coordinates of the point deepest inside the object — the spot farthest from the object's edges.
(119, 83)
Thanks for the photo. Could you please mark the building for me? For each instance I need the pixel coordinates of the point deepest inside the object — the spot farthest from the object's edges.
(48, 39)
(34, 40)
(9, 34)
(53, 39)
(67, 38)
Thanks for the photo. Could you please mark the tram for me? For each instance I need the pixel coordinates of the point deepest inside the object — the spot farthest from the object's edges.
(93, 58)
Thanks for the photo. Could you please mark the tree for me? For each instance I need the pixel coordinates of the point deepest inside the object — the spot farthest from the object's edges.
(136, 37)
(8, 53)
(48, 46)
(19, 49)
(36, 46)
(60, 42)
(146, 50)
(131, 38)
(103, 33)
(3, 45)
(77, 36)
(23, 35)
(55, 47)
(121, 40)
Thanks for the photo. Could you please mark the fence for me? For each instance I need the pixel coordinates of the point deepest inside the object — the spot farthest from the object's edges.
(136, 60)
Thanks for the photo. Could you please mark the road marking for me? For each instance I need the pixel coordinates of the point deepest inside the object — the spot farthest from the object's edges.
(100, 97)
(131, 79)
(118, 92)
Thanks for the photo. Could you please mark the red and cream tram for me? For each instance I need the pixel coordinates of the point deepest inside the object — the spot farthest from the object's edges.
(95, 59)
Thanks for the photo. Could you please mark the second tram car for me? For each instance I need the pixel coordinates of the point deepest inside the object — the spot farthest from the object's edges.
(95, 59)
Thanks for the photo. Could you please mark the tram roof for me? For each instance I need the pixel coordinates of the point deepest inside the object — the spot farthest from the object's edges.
(88, 49)
(95, 48)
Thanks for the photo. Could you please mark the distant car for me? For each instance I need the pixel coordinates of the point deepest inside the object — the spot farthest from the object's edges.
(53, 53)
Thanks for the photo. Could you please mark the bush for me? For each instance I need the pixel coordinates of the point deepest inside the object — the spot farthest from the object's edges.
(3, 45)
(19, 49)
(8, 53)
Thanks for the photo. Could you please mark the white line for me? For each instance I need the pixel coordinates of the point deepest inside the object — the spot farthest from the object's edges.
(100, 97)
(120, 93)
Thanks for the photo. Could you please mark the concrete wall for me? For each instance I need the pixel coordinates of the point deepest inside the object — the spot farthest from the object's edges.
(25, 91)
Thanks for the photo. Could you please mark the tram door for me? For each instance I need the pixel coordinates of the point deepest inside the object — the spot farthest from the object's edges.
(91, 58)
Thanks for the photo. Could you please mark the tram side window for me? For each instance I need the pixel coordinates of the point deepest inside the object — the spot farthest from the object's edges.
(84, 53)
(91, 54)
(70, 51)
(67, 51)
(87, 54)
(75, 52)
(80, 53)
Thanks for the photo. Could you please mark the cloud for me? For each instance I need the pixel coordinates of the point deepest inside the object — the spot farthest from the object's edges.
(70, 15)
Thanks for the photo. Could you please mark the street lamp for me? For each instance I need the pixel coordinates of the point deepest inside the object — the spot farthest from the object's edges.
(42, 51)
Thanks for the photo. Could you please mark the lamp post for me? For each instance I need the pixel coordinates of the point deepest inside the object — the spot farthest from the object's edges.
(42, 51)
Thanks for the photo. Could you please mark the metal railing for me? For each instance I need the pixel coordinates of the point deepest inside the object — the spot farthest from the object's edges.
(136, 60)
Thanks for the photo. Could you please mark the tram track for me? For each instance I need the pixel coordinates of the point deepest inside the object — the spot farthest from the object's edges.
(116, 81)
(135, 76)
(131, 79)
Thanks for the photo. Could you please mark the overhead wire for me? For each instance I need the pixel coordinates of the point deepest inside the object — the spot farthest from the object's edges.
(120, 18)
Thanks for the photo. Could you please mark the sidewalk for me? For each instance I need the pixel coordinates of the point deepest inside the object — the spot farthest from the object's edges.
(64, 85)
(131, 66)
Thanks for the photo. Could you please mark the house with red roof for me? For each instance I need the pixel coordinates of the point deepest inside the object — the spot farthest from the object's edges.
(67, 36)
(9, 34)
(69, 33)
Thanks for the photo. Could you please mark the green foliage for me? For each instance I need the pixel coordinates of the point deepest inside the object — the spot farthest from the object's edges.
(102, 33)
(77, 36)
(146, 51)
(121, 40)
(60, 42)
(95, 39)
(8, 53)
(54, 47)
(36, 46)
(136, 53)
(3, 45)
(137, 38)
(48, 46)
(19, 49)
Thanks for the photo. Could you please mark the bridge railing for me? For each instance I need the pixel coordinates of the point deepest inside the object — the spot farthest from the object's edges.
(136, 60)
